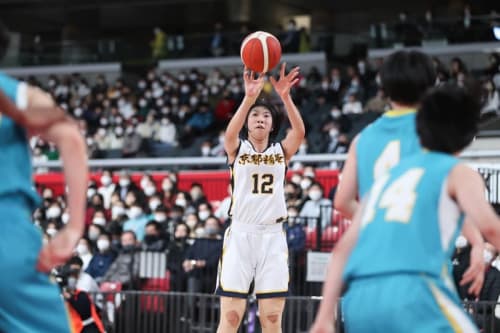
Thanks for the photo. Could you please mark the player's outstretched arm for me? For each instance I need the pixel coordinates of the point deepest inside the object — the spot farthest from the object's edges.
(346, 197)
(66, 136)
(467, 187)
(475, 272)
(253, 87)
(297, 132)
(325, 321)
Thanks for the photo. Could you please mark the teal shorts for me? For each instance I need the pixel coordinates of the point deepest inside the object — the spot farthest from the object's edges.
(29, 301)
(403, 303)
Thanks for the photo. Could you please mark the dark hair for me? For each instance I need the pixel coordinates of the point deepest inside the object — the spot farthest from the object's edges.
(75, 260)
(276, 115)
(447, 120)
(4, 40)
(406, 76)
(156, 225)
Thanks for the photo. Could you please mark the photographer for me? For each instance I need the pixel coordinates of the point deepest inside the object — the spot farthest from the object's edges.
(84, 317)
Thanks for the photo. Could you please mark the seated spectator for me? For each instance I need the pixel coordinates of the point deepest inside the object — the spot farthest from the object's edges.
(102, 259)
(154, 238)
(491, 99)
(125, 268)
(202, 259)
(107, 188)
(352, 105)
(84, 281)
(379, 103)
(137, 220)
(295, 235)
(177, 250)
(132, 142)
(317, 207)
(84, 251)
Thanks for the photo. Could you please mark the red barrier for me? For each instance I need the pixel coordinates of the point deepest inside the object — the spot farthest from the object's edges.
(214, 182)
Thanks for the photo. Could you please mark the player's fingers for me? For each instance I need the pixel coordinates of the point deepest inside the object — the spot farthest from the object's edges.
(272, 80)
(294, 82)
(476, 286)
(469, 275)
(282, 70)
(261, 76)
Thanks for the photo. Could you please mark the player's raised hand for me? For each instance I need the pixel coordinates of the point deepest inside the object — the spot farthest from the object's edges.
(58, 250)
(285, 82)
(253, 86)
(475, 272)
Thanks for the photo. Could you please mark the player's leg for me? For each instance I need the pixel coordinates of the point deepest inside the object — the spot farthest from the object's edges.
(271, 313)
(29, 302)
(232, 310)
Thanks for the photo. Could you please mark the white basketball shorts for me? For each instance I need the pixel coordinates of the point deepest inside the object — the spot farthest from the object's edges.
(256, 253)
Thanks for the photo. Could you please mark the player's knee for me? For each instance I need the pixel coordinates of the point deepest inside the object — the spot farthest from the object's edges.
(270, 319)
(233, 318)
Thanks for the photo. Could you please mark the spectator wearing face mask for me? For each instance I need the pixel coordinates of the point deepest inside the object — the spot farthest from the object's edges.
(154, 238)
(166, 135)
(53, 212)
(93, 233)
(137, 220)
(132, 142)
(84, 251)
(125, 185)
(202, 258)
(102, 259)
(51, 229)
(84, 281)
(125, 268)
(177, 251)
(296, 240)
(317, 207)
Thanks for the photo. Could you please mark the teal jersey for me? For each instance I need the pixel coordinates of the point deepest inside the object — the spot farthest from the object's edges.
(410, 223)
(383, 144)
(16, 169)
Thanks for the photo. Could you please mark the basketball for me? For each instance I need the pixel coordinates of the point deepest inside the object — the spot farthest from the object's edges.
(260, 51)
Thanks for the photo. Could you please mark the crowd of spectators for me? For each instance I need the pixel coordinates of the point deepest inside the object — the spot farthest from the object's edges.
(163, 114)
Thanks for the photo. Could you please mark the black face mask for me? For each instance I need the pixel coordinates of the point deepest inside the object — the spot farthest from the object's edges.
(150, 239)
(128, 248)
(180, 239)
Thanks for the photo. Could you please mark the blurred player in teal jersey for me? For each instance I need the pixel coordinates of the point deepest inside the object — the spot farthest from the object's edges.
(405, 77)
(393, 259)
(30, 302)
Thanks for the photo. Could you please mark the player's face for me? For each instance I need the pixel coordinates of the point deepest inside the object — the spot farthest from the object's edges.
(260, 122)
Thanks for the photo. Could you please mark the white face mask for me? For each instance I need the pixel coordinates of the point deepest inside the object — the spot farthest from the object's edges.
(134, 212)
(181, 202)
(117, 211)
(461, 242)
(153, 204)
(105, 180)
(82, 249)
(149, 190)
(333, 132)
(98, 220)
(205, 151)
(53, 212)
(124, 182)
(103, 244)
(203, 215)
(166, 186)
(305, 183)
(191, 223)
(160, 217)
(51, 232)
(93, 235)
(315, 195)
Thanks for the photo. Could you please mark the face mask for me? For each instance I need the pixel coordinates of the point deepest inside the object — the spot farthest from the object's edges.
(335, 114)
(99, 221)
(51, 232)
(53, 212)
(93, 234)
(211, 231)
(488, 256)
(205, 151)
(142, 103)
(82, 249)
(149, 190)
(65, 218)
(128, 248)
(305, 183)
(333, 132)
(124, 182)
(153, 204)
(309, 174)
(105, 180)
(181, 202)
(461, 242)
(134, 212)
(149, 239)
(296, 179)
(159, 217)
(72, 283)
(117, 211)
(200, 232)
(103, 244)
(315, 195)
(203, 215)
(166, 186)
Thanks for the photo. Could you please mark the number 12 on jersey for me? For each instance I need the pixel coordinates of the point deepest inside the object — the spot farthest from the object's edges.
(262, 184)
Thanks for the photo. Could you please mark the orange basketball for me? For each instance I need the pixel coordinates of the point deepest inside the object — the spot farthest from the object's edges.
(260, 51)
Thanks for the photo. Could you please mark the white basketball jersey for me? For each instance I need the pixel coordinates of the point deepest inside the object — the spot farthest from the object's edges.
(257, 181)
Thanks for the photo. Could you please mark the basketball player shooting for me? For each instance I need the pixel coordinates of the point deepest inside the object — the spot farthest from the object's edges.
(255, 246)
